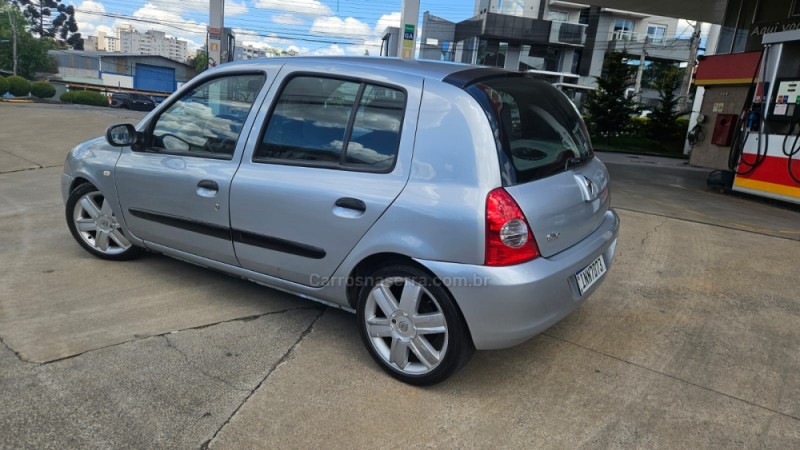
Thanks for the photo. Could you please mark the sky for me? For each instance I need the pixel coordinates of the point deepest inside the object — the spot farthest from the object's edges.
(310, 27)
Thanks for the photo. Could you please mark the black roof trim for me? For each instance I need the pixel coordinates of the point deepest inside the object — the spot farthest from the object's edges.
(467, 77)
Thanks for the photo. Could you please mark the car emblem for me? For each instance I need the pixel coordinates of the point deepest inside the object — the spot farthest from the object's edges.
(403, 326)
(553, 236)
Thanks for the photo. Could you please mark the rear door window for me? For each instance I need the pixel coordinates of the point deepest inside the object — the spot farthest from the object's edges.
(540, 130)
(376, 129)
(336, 123)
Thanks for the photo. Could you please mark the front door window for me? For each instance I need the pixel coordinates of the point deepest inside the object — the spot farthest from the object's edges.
(206, 122)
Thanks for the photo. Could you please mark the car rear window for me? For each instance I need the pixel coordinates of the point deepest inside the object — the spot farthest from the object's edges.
(540, 131)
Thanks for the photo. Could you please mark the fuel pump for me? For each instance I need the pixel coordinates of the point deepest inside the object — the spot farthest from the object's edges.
(765, 151)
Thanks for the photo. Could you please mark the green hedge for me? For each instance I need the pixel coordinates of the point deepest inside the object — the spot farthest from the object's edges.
(18, 86)
(85, 98)
(3, 86)
(42, 89)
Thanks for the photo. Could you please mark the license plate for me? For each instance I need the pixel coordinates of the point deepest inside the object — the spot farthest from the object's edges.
(589, 276)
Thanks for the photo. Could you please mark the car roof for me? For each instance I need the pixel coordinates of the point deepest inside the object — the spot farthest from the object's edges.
(436, 70)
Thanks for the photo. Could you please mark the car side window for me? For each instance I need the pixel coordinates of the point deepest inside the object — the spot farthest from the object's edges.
(309, 121)
(207, 121)
(376, 129)
(330, 122)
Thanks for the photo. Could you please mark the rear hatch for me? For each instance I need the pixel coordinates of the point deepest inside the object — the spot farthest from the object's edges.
(546, 159)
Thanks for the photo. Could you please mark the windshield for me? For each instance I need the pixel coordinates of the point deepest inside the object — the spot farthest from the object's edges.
(539, 130)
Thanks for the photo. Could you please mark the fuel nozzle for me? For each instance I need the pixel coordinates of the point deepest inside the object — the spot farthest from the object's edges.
(754, 117)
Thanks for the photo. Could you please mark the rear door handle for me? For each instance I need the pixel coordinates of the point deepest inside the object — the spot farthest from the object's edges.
(351, 203)
(207, 188)
(211, 185)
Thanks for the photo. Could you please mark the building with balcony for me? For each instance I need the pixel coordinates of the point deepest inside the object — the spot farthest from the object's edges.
(150, 43)
(249, 51)
(564, 42)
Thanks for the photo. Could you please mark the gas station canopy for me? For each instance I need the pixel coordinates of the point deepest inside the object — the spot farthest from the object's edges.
(711, 11)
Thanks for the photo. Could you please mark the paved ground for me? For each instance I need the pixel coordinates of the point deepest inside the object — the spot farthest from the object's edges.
(692, 341)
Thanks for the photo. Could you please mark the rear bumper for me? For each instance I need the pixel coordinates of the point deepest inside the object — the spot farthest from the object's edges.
(505, 306)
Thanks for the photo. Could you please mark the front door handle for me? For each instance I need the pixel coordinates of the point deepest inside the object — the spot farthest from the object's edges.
(211, 185)
(351, 203)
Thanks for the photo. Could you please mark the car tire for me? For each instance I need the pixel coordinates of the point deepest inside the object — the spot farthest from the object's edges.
(411, 325)
(95, 227)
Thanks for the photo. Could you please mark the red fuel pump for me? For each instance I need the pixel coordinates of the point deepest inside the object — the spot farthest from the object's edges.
(765, 153)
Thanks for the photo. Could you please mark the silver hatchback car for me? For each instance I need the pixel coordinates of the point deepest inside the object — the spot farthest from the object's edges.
(451, 207)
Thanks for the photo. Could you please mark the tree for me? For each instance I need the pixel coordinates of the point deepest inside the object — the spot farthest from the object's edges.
(608, 107)
(199, 61)
(32, 52)
(663, 123)
(52, 19)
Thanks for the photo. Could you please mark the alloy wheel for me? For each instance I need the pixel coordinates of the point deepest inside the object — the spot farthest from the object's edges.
(96, 224)
(406, 325)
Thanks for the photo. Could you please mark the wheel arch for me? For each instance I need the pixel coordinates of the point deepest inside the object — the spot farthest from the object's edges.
(375, 261)
(79, 181)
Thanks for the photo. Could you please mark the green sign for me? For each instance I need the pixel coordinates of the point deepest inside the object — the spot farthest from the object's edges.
(408, 35)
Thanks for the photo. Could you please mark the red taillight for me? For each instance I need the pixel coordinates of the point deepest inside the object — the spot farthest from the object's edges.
(508, 235)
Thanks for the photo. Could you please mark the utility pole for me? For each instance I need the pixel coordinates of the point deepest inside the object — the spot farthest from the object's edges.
(637, 95)
(216, 29)
(13, 24)
(694, 45)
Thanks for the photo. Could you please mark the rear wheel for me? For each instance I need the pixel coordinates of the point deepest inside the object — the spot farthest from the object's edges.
(411, 326)
(94, 225)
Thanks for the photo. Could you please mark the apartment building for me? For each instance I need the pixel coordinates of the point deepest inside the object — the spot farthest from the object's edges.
(248, 51)
(151, 42)
(564, 42)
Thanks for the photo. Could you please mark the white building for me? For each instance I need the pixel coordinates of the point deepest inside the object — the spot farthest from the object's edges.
(128, 40)
(563, 41)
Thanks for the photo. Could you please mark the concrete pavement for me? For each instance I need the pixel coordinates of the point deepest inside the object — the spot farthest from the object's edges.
(34, 135)
(692, 341)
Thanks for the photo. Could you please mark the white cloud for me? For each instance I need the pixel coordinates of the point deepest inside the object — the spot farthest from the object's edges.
(235, 9)
(88, 18)
(334, 26)
(232, 8)
(387, 20)
(333, 50)
(311, 8)
(91, 6)
(287, 19)
(251, 36)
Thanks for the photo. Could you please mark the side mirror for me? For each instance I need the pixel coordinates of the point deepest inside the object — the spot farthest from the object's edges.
(123, 135)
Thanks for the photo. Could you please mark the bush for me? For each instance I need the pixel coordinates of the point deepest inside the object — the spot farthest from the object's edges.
(42, 89)
(3, 86)
(85, 98)
(638, 126)
(18, 86)
(68, 97)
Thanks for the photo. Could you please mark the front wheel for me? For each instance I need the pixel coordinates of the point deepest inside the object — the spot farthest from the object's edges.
(411, 326)
(93, 224)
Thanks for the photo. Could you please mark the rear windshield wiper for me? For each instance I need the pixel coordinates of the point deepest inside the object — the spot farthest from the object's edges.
(573, 162)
